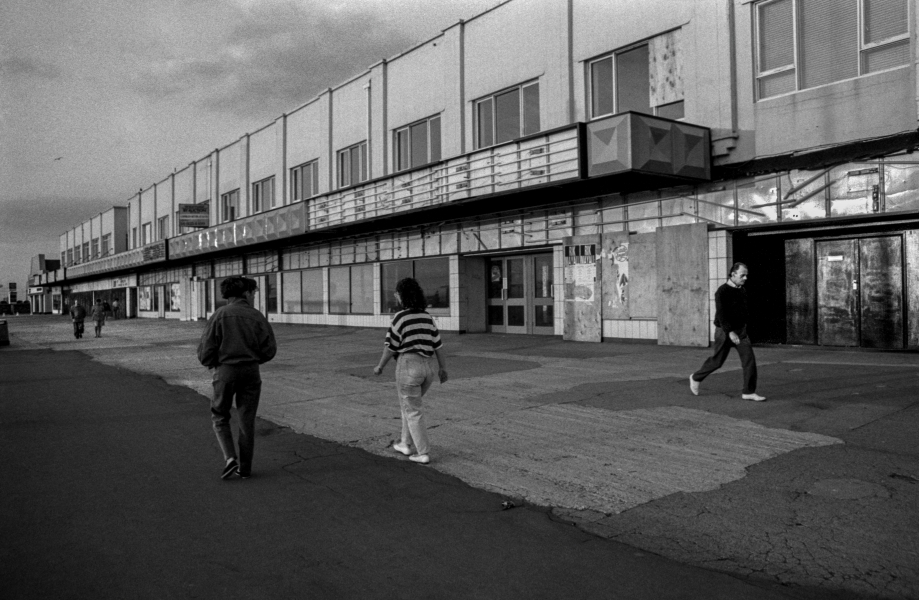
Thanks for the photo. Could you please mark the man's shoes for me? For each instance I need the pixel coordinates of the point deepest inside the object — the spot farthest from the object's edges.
(420, 458)
(245, 475)
(231, 469)
(403, 448)
(754, 397)
(694, 386)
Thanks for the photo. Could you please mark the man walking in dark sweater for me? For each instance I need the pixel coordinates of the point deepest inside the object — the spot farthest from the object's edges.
(731, 316)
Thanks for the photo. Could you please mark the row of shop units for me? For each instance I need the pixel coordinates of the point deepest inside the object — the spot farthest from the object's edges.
(852, 283)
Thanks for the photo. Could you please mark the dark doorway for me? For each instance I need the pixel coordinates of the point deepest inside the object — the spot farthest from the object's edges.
(765, 258)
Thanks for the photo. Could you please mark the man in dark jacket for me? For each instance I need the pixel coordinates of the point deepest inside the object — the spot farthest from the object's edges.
(236, 340)
(731, 316)
(78, 315)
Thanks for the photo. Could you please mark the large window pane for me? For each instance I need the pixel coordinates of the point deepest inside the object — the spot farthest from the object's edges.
(312, 291)
(271, 293)
(601, 87)
(776, 35)
(632, 81)
(531, 109)
(543, 277)
(340, 290)
(829, 36)
(290, 289)
(433, 275)
(402, 150)
(887, 57)
(435, 139)
(485, 123)
(362, 289)
(507, 116)
(390, 274)
(885, 19)
(419, 133)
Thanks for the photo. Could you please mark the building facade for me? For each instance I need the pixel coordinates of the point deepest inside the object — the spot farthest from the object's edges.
(567, 167)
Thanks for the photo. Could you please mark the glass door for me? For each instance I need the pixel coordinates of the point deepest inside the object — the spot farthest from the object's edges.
(520, 294)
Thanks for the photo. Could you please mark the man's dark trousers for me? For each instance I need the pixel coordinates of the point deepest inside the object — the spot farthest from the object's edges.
(723, 345)
(244, 382)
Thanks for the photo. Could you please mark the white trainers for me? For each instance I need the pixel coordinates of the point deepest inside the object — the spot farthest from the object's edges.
(754, 397)
(693, 386)
(420, 458)
(403, 448)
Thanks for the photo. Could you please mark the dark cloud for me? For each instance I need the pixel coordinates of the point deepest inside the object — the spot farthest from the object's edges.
(275, 57)
(46, 217)
(23, 67)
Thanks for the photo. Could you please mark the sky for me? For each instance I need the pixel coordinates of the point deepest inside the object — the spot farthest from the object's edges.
(101, 98)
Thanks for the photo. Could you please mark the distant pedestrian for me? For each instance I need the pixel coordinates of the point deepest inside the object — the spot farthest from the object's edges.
(77, 316)
(414, 341)
(98, 317)
(107, 307)
(731, 319)
(115, 308)
(236, 340)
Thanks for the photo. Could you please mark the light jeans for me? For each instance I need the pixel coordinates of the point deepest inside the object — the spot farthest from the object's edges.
(414, 375)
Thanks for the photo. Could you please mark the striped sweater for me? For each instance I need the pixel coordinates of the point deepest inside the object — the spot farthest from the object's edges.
(413, 331)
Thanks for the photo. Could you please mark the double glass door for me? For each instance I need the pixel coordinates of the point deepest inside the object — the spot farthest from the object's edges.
(521, 295)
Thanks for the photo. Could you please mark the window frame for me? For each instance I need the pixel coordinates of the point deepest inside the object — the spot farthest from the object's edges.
(162, 228)
(522, 116)
(363, 164)
(350, 270)
(612, 56)
(385, 299)
(797, 35)
(398, 167)
(262, 201)
(296, 181)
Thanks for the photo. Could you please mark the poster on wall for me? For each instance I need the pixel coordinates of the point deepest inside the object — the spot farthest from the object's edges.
(581, 271)
(143, 298)
(175, 297)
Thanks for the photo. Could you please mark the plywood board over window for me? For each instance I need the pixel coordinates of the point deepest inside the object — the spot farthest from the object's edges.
(666, 68)
(642, 276)
(614, 262)
(682, 274)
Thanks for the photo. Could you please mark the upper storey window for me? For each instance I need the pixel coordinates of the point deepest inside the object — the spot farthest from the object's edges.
(417, 144)
(645, 78)
(507, 115)
(304, 181)
(802, 44)
(229, 206)
(263, 195)
(352, 165)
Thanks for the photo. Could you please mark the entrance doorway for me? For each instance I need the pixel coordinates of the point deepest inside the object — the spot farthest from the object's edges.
(520, 294)
(860, 292)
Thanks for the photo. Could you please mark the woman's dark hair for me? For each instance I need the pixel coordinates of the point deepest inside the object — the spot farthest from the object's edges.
(411, 294)
(236, 286)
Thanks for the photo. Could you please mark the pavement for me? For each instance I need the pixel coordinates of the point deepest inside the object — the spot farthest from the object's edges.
(814, 492)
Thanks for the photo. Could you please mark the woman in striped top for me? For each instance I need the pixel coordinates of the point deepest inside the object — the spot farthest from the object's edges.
(414, 341)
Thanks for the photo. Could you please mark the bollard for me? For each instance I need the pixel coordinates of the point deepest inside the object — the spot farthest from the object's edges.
(4, 334)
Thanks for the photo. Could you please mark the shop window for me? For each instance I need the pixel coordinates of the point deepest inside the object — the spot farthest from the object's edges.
(803, 44)
(432, 274)
(507, 115)
(263, 195)
(352, 165)
(417, 144)
(304, 181)
(351, 290)
(302, 291)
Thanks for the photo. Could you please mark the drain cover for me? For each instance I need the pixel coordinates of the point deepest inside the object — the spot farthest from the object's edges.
(847, 489)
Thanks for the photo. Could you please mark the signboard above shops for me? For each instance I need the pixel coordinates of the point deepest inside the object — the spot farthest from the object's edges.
(193, 215)
(155, 251)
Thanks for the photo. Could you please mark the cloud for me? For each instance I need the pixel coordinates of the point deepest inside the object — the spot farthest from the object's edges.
(274, 57)
(24, 67)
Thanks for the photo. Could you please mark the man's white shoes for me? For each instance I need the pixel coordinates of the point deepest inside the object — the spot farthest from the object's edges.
(754, 397)
(693, 386)
(402, 448)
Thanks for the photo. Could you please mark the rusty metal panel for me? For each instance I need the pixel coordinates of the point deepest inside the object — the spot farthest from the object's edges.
(800, 292)
(881, 284)
(837, 293)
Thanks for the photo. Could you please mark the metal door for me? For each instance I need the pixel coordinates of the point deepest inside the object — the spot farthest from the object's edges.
(837, 293)
(881, 285)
